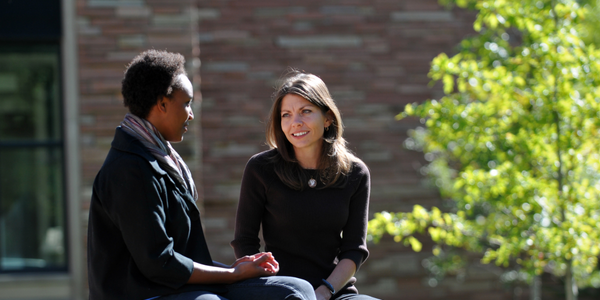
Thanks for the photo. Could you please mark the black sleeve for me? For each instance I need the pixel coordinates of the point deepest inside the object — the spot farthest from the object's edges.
(250, 211)
(354, 244)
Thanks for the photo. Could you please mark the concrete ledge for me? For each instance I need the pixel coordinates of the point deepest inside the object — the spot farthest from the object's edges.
(319, 41)
(35, 287)
(419, 16)
(225, 66)
(115, 3)
(278, 12)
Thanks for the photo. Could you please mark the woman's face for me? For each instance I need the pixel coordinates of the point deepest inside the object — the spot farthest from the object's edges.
(178, 111)
(303, 123)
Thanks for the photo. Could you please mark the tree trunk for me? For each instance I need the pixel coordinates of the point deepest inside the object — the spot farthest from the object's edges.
(536, 288)
(570, 286)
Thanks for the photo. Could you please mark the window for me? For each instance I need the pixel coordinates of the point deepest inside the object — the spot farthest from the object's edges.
(32, 200)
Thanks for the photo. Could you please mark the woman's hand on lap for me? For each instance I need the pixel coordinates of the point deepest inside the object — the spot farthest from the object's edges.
(262, 264)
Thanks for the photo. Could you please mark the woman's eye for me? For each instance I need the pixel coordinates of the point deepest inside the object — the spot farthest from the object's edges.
(306, 111)
(285, 115)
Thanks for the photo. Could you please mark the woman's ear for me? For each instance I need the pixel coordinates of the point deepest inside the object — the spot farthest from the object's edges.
(161, 103)
(329, 117)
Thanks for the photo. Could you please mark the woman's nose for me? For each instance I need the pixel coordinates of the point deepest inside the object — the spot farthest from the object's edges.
(191, 115)
(296, 121)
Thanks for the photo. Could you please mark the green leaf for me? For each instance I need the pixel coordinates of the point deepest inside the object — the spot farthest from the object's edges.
(448, 83)
(415, 244)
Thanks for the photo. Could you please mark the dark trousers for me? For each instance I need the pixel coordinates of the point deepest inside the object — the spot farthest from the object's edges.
(264, 288)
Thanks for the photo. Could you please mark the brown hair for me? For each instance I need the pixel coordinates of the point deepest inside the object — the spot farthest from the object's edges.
(335, 159)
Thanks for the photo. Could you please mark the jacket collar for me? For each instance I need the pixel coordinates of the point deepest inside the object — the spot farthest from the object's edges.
(127, 143)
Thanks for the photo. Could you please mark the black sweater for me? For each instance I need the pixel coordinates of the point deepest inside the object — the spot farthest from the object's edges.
(307, 231)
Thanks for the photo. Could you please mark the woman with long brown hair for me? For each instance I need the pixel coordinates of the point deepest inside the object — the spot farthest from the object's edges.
(309, 192)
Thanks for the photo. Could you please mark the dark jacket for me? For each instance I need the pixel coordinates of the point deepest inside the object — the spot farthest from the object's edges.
(144, 228)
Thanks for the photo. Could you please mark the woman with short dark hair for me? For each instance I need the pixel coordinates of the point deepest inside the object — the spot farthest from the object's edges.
(145, 236)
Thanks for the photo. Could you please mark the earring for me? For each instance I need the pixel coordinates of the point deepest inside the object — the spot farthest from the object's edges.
(327, 128)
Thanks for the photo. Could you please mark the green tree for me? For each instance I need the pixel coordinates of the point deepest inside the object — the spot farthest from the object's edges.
(514, 143)
(590, 32)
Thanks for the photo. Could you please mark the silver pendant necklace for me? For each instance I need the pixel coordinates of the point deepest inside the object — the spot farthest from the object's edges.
(312, 182)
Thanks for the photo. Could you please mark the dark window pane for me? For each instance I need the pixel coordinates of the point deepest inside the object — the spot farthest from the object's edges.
(30, 19)
(32, 220)
(29, 95)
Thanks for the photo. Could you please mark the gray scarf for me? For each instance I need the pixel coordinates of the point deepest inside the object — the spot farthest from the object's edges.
(161, 149)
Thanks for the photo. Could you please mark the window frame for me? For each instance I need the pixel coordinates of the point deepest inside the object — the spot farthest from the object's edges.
(72, 284)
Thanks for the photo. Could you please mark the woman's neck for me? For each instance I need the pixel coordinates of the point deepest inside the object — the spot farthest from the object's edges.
(307, 160)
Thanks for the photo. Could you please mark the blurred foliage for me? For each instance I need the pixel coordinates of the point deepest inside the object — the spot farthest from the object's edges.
(590, 32)
(514, 142)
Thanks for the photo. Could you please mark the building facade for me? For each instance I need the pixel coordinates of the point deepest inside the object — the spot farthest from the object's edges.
(61, 65)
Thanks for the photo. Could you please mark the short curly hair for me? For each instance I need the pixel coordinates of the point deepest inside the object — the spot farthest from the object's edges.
(148, 77)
